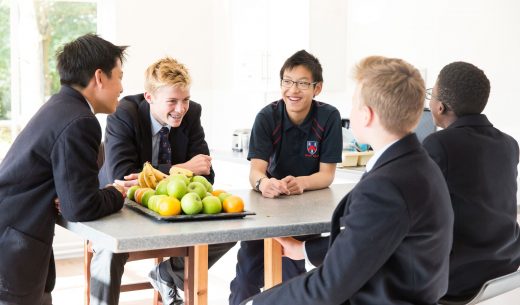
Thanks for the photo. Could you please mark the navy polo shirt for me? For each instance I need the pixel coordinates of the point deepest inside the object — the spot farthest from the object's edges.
(296, 150)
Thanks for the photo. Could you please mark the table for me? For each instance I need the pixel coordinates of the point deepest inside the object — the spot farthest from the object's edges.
(129, 231)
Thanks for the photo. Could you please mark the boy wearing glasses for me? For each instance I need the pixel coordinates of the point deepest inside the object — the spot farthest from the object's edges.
(294, 147)
(479, 163)
(390, 237)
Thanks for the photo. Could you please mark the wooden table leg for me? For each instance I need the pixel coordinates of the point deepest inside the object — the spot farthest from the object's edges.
(196, 275)
(87, 256)
(272, 263)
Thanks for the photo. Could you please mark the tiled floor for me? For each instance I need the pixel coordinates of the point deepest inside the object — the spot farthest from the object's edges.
(70, 287)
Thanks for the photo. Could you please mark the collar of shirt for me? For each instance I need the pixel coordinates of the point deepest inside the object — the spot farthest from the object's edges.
(156, 126)
(304, 126)
(90, 106)
(377, 154)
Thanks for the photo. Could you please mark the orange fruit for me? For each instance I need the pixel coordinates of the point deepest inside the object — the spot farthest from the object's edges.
(137, 192)
(217, 192)
(138, 195)
(168, 206)
(233, 204)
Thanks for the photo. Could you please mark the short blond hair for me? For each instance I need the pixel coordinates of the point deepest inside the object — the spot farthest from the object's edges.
(166, 72)
(394, 89)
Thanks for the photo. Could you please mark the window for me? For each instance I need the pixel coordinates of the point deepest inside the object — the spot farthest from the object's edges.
(31, 32)
(5, 86)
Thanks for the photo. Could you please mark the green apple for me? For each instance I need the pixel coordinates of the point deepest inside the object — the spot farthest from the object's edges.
(181, 177)
(197, 188)
(211, 205)
(152, 202)
(131, 191)
(223, 196)
(162, 187)
(204, 181)
(191, 204)
(146, 197)
(176, 188)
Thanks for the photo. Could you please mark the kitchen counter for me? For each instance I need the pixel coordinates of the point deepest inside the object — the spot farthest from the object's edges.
(235, 167)
(230, 156)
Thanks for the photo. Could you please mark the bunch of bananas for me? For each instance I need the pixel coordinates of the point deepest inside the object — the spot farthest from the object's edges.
(149, 176)
(178, 170)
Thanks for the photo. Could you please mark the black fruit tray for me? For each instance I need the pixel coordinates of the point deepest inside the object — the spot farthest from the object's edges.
(141, 209)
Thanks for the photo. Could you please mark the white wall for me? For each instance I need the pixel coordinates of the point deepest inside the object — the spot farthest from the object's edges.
(431, 34)
(428, 34)
(233, 48)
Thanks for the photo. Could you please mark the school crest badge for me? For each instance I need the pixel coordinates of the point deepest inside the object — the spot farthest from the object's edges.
(312, 147)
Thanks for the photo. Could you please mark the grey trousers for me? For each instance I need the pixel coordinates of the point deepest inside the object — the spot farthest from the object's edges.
(106, 271)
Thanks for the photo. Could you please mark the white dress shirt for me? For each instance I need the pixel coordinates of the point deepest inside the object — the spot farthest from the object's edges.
(156, 127)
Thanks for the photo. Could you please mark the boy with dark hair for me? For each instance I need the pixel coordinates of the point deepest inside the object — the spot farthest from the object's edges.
(391, 235)
(479, 163)
(294, 147)
(55, 155)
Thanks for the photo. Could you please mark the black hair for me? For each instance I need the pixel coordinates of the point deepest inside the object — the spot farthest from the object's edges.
(303, 58)
(78, 60)
(463, 87)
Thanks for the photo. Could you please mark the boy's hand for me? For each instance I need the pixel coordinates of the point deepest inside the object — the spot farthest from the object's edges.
(121, 189)
(294, 185)
(273, 187)
(291, 248)
(199, 165)
(129, 181)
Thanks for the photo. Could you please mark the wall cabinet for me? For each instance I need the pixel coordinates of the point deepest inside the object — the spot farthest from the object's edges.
(264, 34)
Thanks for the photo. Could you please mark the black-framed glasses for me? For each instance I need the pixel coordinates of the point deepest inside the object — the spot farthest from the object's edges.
(430, 96)
(288, 83)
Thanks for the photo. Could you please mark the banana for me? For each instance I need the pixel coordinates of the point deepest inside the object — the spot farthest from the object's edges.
(142, 182)
(158, 174)
(148, 180)
(178, 170)
(151, 181)
(149, 175)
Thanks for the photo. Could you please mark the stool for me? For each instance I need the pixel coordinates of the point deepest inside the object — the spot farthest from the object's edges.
(491, 289)
(158, 255)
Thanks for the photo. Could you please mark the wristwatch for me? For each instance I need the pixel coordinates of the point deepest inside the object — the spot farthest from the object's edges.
(257, 184)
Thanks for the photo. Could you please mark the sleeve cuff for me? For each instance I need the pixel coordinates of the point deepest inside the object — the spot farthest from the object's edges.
(307, 261)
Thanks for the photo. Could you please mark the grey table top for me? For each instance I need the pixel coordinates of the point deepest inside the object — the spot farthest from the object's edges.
(127, 230)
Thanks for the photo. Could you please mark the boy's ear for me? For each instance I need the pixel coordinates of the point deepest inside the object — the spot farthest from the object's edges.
(148, 97)
(317, 88)
(368, 115)
(98, 77)
(441, 108)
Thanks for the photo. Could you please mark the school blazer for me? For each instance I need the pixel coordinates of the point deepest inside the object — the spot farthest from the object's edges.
(390, 238)
(54, 156)
(128, 139)
(479, 163)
